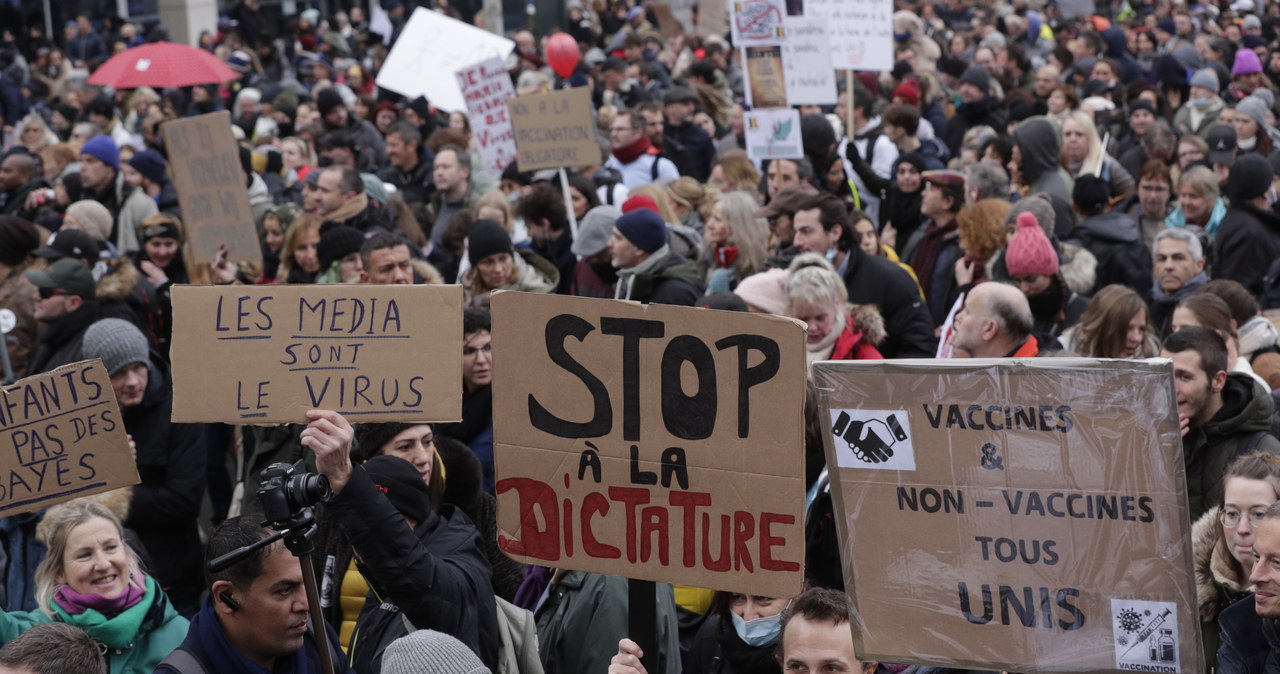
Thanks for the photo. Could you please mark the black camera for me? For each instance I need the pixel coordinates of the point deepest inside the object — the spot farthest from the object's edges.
(286, 493)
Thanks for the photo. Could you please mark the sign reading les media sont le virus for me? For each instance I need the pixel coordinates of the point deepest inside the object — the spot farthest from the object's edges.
(62, 437)
(653, 442)
(1017, 515)
(267, 354)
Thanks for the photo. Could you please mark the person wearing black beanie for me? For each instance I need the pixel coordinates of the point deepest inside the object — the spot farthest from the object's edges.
(18, 239)
(371, 146)
(1248, 239)
(339, 243)
(497, 265)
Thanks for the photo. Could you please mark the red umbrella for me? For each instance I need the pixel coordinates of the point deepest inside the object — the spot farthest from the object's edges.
(161, 64)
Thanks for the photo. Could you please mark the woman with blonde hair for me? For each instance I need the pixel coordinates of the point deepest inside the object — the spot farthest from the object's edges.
(734, 171)
(691, 199)
(1114, 325)
(34, 134)
(834, 329)
(90, 578)
(1082, 152)
(736, 242)
(299, 260)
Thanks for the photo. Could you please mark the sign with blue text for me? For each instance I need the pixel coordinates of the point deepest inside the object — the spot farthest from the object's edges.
(1023, 515)
(62, 438)
(267, 354)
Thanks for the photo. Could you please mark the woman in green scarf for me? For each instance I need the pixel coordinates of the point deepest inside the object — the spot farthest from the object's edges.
(91, 579)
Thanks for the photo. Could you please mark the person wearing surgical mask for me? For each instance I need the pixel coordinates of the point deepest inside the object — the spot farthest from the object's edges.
(739, 636)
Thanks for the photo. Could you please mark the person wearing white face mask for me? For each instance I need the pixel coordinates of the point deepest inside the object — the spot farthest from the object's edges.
(1201, 112)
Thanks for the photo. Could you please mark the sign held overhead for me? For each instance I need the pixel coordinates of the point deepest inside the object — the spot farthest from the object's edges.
(673, 471)
(554, 130)
(430, 50)
(205, 162)
(267, 354)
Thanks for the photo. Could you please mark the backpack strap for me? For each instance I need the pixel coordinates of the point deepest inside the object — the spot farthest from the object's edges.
(182, 661)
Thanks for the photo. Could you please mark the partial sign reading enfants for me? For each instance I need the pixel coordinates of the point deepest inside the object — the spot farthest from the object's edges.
(267, 354)
(648, 441)
(64, 438)
(1024, 516)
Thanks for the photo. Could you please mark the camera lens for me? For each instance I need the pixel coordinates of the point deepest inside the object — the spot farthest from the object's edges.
(308, 489)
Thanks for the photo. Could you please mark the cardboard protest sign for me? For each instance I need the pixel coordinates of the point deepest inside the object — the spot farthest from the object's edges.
(555, 129)
(653, 442)
(267, 354)
(486, 86)
(64, 438)
(431, 49)
(204, 161)
(757, 22)
(806, 57)
(773, 134)
(1020, 515)
(713, 18)
(860, 32)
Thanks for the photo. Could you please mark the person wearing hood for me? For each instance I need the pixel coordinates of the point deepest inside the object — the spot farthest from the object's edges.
(1036, 166)
(648, 270)
(1249, 238)
(170, 459)
(1118, 52)
(908, 31)
(1202, 111)
(1112, 237)
(1254, 133)
(1223, 414)
(900, 215)
(1033, 266)
(978, 107)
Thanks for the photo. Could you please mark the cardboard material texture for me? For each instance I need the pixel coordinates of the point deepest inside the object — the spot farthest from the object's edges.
(267, 354)
(555, 129)
(860, 32)
(204, 161)
(430, 50)
(1026, 515)
(653, 442)
(486, 86)
(63, 438)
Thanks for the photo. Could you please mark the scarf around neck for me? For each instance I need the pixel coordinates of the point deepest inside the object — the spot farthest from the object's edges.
(631, 152)
(114, 622)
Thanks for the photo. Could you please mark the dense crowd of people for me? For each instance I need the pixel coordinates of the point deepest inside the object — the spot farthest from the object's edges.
(1032, 178)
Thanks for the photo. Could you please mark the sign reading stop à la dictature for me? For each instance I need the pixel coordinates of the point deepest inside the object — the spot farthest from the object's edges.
(652, 442)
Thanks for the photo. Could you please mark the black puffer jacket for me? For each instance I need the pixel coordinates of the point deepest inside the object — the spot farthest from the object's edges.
(1123, 258)
(876, 280)
(436, 574)
(165, 506)
(1248, 242)
(1242, 426)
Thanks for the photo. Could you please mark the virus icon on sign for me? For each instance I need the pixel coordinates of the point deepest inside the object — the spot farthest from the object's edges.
(1123, 640)
(1129, 620)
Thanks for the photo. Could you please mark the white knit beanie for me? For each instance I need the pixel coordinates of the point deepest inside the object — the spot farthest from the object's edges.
(430, 651)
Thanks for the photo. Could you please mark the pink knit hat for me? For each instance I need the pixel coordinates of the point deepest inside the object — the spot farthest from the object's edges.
(1029, 250)
(765, 290)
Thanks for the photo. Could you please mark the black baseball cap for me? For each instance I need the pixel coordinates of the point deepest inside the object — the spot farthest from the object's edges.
(1222, 144)
(70, 243)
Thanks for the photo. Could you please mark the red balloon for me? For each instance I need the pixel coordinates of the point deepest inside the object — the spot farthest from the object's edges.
(563, 54)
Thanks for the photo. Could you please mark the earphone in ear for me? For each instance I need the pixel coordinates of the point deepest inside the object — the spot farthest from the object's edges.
(230, 602)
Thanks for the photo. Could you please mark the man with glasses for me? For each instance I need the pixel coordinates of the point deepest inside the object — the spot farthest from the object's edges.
(65, 304)
(1223, 414)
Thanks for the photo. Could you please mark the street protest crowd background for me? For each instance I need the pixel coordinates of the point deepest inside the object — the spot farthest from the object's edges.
(1030, 178)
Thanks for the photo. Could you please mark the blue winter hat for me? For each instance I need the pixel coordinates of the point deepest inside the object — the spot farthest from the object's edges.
(103, 148)
(150, 164)
(644, 229)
